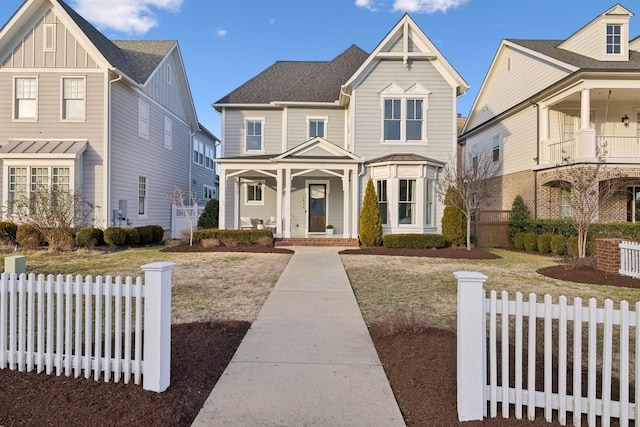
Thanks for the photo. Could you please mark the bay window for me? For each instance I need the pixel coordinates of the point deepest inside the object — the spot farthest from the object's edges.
(407, 201)
(381, 191)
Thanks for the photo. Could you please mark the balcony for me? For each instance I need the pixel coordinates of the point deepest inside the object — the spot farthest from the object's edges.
(583, 148)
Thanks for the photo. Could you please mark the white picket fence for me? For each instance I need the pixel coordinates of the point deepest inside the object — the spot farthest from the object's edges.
(100, 327)
(479, 396)
(180, 219)
(630, 259)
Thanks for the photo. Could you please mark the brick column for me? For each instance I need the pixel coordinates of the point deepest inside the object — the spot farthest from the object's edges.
(608, 255)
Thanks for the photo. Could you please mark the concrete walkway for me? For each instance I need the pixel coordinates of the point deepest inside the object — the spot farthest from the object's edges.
(308, 359)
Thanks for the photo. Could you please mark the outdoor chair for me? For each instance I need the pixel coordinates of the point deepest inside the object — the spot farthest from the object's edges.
(245, 223)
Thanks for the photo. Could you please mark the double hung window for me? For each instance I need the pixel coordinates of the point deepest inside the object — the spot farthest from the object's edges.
(26, 90)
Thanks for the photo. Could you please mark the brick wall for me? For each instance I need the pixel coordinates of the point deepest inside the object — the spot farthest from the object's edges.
(608, 255)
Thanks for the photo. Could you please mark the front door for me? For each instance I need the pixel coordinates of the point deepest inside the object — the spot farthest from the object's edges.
(317, 208)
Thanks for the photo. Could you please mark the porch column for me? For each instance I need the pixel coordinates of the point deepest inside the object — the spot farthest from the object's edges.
(355, 198)
(222, 194)
(543, 120)
(346, 229)
(279, 203)
(585, 137)
(287, 204)
(236, 198)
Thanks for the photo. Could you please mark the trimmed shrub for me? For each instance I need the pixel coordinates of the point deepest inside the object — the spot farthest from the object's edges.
(209, 217)
(572, 246)
(518, 241)
(133, 237)
(8, 231)
(265, 241)
(158, 233)
(530, 242)
(145, 235)
(115, 236)
(520, 217)
(29, 237)
(370, 222)
(544, 243)
(557, 244)
(415, 241)
(90, 236)
(454, 222)
(242, 237)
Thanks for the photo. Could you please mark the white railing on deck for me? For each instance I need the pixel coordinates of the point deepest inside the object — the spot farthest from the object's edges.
(619, 146)
(569, 324)
(563, 151)
(91, 327)
(630, 259)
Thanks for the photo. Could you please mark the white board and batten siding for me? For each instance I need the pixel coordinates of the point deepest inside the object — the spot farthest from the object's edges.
(164, 87)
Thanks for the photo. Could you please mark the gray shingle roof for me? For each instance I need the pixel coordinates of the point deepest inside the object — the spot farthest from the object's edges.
(299, 81)
(402, 157)
(550, 48)
(136, 58)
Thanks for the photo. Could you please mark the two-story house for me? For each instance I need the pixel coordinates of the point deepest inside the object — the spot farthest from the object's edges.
(549, 105)
(114, 120)
(301, 139)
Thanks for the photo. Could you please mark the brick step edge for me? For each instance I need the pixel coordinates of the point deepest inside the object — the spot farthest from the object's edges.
(338, 241)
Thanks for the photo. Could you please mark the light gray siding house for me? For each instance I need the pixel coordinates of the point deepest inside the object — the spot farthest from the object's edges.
(114, 120)
(301, 139)
(547, 106)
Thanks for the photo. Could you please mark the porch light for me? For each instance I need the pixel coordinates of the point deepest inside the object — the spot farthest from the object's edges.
(625, 120)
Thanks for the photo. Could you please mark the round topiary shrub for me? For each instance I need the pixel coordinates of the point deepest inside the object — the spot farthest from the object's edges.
(145, 235)
(90, 236)
(158, 233)
(557, 244)
(133, 236)
(29, 237)
(544, 243)
(530, 242)
(115, 236)
(8, 231)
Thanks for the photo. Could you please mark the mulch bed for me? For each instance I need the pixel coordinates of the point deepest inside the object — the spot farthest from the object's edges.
(255, 249)
(421, 367)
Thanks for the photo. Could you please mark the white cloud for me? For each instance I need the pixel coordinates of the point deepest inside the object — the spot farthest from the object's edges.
(127, 16)
(425, 6)
(367, 4)
(221, 32)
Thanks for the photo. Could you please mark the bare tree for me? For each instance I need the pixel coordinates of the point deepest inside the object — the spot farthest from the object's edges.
(186, 203)
(471, 184)
(55, 213)
(591, 186)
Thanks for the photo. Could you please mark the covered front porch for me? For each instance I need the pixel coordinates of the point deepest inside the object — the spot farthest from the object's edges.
(591, 120)
(311, 191)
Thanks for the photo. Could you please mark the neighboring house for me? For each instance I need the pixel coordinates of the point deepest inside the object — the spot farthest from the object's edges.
(113, 120)
(301, 139)
(546, 105)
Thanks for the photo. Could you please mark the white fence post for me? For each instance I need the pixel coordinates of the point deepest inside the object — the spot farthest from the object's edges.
(471, 345)
(157, 325)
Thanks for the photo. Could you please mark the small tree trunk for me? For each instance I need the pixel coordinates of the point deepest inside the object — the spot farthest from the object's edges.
(468, 232)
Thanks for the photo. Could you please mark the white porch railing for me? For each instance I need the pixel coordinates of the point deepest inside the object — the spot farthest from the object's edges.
(630, 259)
(561, 152)
(89, 326)
(563, 356)
(619, 146)
(612, 147)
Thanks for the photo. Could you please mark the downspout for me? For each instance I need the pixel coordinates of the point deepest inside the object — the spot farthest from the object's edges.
(347, 122)
(535, 173)
(107, 161)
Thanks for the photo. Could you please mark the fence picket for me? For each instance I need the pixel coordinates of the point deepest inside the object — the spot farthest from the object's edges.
(624, 363)
(67, 325)
(548, 357)
(531, 374)
(591, 363)
(607, 355)
(493, 367)
(577, 360)
(562, 360)
(505, 354)
(518, 356)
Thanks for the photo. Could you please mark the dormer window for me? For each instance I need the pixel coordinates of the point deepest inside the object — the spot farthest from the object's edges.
(614, 40)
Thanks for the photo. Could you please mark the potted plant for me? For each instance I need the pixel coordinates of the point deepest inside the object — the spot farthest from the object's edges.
(260, 225)
(329, 229)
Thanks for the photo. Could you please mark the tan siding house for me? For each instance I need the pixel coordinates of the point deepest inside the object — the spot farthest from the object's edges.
(114, 118)
(301, 139)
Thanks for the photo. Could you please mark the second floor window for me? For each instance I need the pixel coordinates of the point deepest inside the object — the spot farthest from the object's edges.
(403, 120)
(316, 128)
(496, 148)
(143, 119)
(414, 119)
(25, 98)
(73, 99)
(613, 39)
(392, 117)
(253, 135)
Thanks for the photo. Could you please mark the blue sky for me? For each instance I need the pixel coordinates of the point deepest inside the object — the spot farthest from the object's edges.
(226, 42)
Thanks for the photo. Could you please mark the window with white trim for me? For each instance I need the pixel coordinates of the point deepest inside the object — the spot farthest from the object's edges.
(142, 195)
(208, 192)
(254, 193)
(317, 127)
(254, 135)
(392, 119)
(565, 203)
(414, 120)
(474, 157)
(73, 98)
(198, 152)
(26, 106)
(383, 204)
(404, 113)
(614, 39)
(407, 201)
(143, 119)
(429, 200)
(208, 157)
(495, 150)
(168, 132)
(26, 181)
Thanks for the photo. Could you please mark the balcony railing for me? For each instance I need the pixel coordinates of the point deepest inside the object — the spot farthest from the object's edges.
(627, 147)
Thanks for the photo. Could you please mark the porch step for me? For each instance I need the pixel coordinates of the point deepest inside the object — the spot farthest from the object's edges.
(316, 241)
